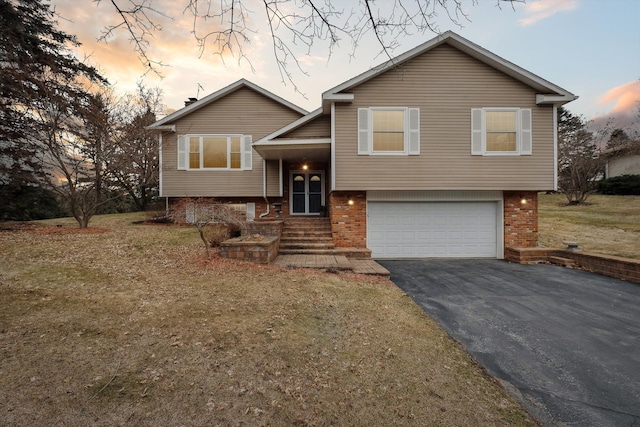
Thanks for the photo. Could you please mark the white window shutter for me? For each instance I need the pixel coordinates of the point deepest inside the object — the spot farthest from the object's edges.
(414, 131)
(247, 153)
(525, 132)
(183, 153)
(364, 145)
(477, 131)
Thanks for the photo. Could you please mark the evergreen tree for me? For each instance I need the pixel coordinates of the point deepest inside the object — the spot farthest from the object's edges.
(36, 68)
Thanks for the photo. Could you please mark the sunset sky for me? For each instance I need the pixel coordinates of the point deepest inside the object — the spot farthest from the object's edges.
(589, 47)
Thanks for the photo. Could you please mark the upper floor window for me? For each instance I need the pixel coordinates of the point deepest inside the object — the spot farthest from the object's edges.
(500, 131)
(214, 152)
(389, 130)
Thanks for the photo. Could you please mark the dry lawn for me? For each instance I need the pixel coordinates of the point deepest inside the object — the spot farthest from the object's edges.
(607, 225)
(130, 325)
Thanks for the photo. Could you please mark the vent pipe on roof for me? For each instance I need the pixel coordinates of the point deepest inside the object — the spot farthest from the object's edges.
(190, 101)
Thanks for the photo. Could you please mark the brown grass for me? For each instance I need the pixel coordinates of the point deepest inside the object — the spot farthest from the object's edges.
(134, 327)
(607, 225)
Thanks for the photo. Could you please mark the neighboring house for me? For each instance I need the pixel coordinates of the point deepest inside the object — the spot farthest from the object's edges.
(622, 162)
(440, 152)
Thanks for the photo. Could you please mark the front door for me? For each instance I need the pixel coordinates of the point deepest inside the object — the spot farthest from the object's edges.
(307, 195)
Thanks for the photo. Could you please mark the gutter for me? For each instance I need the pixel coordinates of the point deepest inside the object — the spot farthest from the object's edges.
(264, 188)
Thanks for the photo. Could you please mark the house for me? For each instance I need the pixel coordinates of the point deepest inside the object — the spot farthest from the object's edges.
(625, 161)
(439, 152)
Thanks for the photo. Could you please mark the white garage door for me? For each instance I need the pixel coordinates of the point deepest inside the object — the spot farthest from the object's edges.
(432, 229)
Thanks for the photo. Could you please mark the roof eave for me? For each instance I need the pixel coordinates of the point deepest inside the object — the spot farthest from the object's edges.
(219, 94)
(291, 126)
(478, 52)
(161, 128)
(543, 99)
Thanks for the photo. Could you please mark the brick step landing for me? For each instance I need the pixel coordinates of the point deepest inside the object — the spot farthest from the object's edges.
(332, 262)
(358, 253)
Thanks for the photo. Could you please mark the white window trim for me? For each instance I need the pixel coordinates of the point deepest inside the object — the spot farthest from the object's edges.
(407, 130)
(244, 163)
(519, 132)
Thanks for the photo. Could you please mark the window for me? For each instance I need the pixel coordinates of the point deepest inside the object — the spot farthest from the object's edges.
(500, 131)
(200, 152)
(389, 130)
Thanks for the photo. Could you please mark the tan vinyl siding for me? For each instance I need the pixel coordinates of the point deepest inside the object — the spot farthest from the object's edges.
(319, 127)
(445, 84)
(241, 112)
(273, 178)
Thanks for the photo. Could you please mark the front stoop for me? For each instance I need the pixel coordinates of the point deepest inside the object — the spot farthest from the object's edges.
(328, 262)
(312, 236)
(332, 262)
(307, 242)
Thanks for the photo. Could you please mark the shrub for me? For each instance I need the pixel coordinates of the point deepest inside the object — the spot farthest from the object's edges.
(216, 222)
(623, 185)
(217, 233)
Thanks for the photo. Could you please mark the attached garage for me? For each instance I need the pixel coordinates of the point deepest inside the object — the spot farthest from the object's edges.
(425, 228)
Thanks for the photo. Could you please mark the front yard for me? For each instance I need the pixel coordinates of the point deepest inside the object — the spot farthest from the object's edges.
(130, 325)
(607, 225)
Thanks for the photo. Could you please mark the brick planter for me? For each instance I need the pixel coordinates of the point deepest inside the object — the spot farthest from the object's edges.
(264, 228)
(262, 250)
(607, 265)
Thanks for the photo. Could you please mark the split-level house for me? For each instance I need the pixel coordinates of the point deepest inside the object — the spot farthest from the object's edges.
(440, 152)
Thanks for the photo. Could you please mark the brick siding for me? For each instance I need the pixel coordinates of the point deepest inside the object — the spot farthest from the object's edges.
(348, 222)
(520, 219)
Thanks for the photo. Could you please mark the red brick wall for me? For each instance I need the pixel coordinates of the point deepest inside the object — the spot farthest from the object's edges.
(348, 222)
(520, 219)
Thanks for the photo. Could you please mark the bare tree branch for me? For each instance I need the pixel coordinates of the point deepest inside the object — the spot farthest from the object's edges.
(226, 26)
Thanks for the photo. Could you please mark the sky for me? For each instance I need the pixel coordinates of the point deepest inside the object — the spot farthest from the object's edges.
(588, 47)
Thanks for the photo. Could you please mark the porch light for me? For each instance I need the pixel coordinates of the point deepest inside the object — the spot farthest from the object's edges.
(350, 202)
(305, 167)
(523, 200)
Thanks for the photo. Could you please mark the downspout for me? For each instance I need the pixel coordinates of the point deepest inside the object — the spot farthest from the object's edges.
(264, 188)
(555, 147)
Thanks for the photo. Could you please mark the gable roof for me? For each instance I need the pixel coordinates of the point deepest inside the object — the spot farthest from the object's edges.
(220, 94)
(270, 147)
(548, 92)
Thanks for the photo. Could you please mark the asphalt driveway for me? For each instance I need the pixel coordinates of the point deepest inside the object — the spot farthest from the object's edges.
(566, 343)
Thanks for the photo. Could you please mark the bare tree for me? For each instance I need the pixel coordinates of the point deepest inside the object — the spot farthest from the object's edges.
(72, 139)
(226, 26)
(203, 212)
(579, 160)
(134, 164)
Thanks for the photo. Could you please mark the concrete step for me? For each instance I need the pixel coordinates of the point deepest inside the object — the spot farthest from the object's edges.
(307, 228)
(306, 239)
(285, 251)
(304, 245)
(357, 253)
(306, 235)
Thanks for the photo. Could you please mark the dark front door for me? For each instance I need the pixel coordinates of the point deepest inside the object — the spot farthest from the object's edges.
(306, 192)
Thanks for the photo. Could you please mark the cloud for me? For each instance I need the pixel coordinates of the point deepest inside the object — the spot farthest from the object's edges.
(542, 9)
(624, 97)
(171, 44)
